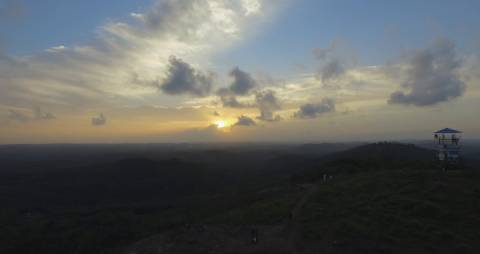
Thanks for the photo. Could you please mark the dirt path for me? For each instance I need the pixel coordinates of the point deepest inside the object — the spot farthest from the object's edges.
(292, 227)
(279, 239)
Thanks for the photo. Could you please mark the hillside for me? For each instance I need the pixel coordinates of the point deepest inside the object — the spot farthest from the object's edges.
(389, 201)
(380, 156)
(382, 198)
(399, 211)
(391, 198)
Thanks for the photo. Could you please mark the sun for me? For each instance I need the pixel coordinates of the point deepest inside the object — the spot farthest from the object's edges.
(220, 124)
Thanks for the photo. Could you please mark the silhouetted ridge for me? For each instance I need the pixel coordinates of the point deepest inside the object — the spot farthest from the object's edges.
(134, 163)
(129, 169)
(386, 151)
(383, 155)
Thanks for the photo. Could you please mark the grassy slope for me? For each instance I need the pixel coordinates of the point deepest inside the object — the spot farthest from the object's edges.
(396, 210)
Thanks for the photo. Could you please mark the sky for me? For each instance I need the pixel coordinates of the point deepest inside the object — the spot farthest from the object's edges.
(237, 70)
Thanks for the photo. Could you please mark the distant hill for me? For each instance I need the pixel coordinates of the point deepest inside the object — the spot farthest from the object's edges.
(310, 166)
(324, 148)
(386, 151)
(138, 166)
(382, 155)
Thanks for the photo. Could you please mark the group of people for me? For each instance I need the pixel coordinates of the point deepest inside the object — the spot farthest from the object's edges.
(327, 178)
(443, 138)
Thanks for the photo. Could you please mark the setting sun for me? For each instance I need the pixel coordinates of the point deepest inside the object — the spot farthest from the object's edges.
(220, 124)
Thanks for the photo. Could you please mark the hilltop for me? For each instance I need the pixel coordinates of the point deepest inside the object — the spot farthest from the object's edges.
(395, 211)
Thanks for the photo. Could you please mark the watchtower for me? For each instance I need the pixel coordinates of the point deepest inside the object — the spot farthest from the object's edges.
(448, 145)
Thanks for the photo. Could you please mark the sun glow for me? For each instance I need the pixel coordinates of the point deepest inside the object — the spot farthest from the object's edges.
(221, 124)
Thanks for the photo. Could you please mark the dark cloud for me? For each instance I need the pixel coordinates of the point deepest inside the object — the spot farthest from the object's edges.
(332, 70)
(432, 76)
(229, 99)
(242, 83)
(99, 120)
(245, 121)
(170, 16)
(267, 103)
(335, 62)
(184, 79)
(17, 116)
(311, 110)
(269, 116)
(161, 15)
(39, 114)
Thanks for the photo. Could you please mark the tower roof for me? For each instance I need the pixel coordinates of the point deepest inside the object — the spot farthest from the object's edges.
(447, 131)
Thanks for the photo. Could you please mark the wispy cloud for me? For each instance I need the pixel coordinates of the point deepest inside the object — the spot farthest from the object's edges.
(17, 116)
(100, 72)
(37, 114)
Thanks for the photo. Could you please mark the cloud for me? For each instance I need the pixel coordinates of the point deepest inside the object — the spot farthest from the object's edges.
(216, 113)
(184, 79)
(231, 101)
(245, 121)
(251, 6)
(56, 49)
(166, 14)
(37, 114)
(432, 76)
(311, 110)
(99, 73)
(242, 83)
(200, 18)
(228, 99)
(267, 103)
(40, 115)
(99, 120)
(332, 70)
(335, 62)
(17, 116)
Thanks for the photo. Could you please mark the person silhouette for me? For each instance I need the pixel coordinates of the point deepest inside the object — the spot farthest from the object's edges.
(254, 234)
